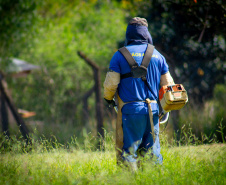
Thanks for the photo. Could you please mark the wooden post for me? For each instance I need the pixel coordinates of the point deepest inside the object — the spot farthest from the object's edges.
(24, 130)
(4, 116)
(97, 87)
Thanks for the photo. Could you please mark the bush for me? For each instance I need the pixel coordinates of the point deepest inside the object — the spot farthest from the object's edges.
(208, 121)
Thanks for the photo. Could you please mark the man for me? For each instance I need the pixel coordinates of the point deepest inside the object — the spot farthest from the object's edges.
(137, 129)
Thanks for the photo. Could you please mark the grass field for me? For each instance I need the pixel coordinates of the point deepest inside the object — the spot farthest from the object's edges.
(202, 164)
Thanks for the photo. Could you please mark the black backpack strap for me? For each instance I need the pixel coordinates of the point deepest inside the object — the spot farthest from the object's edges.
(145, 63)
(131, 61)
(147, 56)
(126, 75)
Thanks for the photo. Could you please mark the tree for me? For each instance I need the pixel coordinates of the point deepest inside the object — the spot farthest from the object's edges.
(16, 19)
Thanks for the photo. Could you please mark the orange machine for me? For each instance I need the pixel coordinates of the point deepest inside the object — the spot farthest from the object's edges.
(173, 97)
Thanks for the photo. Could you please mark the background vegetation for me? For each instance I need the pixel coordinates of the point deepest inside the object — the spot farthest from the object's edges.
(189, 33)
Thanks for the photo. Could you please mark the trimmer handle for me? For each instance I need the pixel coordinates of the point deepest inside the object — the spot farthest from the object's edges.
(114, 106)
(163, 117)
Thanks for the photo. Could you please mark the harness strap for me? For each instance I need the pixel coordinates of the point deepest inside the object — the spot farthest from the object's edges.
(131, 61)
(147, 56)
(126, 75)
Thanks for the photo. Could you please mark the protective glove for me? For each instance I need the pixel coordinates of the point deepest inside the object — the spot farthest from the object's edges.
(111, 102)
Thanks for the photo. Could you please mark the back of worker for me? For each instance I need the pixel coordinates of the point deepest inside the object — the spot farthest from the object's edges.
(137, 132)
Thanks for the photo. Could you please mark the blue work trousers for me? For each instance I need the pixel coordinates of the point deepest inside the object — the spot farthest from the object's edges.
(137, 136)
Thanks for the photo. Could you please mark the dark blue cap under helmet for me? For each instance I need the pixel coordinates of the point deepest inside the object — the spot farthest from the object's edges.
(137, 34)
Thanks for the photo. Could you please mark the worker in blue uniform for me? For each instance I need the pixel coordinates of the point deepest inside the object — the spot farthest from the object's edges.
(137, 100)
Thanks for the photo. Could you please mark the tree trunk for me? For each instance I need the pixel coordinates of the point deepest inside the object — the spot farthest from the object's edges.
(24, 130)
(4, 116)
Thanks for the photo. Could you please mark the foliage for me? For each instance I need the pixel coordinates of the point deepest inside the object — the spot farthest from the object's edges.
(64, 77)
(17, 18)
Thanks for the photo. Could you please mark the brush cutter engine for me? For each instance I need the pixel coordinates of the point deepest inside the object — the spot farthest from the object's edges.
(173, 97)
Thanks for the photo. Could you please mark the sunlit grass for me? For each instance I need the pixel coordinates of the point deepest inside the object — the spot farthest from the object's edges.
(48, 162)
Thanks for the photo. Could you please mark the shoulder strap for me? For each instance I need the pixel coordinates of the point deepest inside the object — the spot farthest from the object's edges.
(147, 56)
(131, 61)
(145, 63)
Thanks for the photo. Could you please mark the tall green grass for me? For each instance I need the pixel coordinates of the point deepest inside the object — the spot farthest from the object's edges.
(47, 161)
